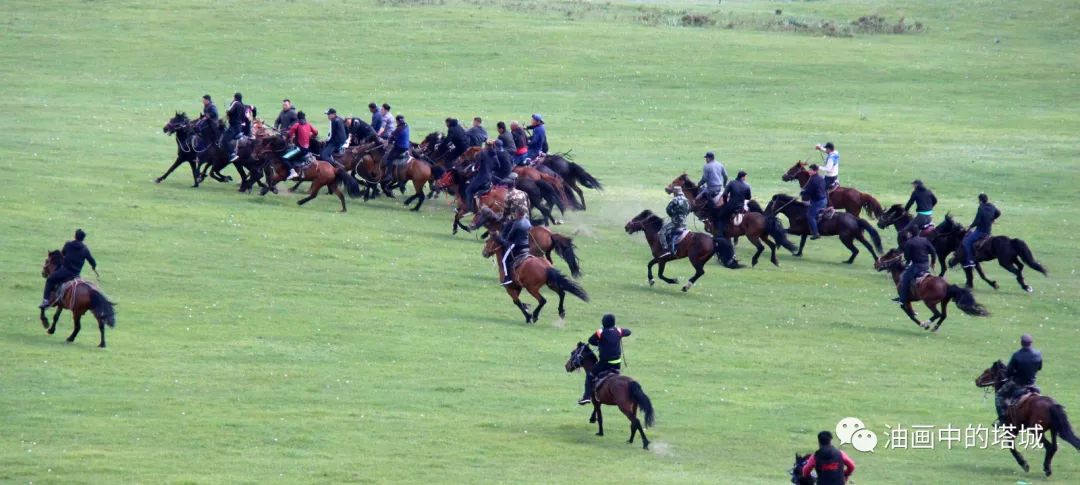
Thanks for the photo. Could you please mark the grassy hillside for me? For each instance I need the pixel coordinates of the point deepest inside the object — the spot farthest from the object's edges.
(258, 341)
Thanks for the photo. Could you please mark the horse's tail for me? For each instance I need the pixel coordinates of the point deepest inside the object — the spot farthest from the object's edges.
(965, 300)
(561, 282)
(643, 402)
(564, 246)
(871, 205)
(1024, 252)
(571, 197)
(753, 206)
(551, 195)
(874, 236)
(777, 232)
(1059, 423)
(351, 185)
(102, 307)
(578, 173)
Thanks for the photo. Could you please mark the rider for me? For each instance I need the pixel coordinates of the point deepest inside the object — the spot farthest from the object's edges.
(924, 201)
(677, 211)
(521, 143)
(833, 466)
(831, 169)
(399, 141)
(816, 193)
(456, 136)
(477, 134)
(504, 166)
(480, 181)
(608, 340)
(737, 196)
(301, 133)
(387, 121)
(209, 111)
(515, 238)
(338, 136)
(376, 119)
(75, 254)
(506, 137)
(237, 114)
(920, 255)
(287, 117)
(980, 228)
(538, 141)
(515, 199)
(714, 178)
(1020, 374)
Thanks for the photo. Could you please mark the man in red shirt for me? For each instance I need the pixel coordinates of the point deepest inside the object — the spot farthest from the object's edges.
(301, 133)
(832, 465)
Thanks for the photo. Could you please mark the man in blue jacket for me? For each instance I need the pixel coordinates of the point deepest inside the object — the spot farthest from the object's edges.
(538, 140)
(816, 194)
(399, 146)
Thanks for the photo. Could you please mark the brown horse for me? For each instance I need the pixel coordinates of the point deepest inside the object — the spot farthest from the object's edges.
(541, 240)
(1036, 410)
(453, 181)
(697, 246)
(371, 169)
(615, 390)
(931, 290)
(566, 194)
(77, 296)
(845, 198)
(320, 173)
(531, 274)
(845, 225)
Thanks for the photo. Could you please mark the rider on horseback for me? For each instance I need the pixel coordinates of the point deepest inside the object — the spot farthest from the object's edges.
(477, 134)
(737, 196)
(538, 140)
(515, 238)
(300, 133)
(209, 118)
(1023, 366)
(816, 193)
(237, 114)
(677, 211)
(920, 255)
(481, 181)
(75, 254)
(714, 177)
(831, 169)
(287, 118)
(455, 135)
(608, 340)
(924, 201)
(338, 136)
(521, 143)
(399, 141)
(980, 228)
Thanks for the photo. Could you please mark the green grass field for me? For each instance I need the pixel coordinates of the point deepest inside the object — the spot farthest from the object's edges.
(261, 342)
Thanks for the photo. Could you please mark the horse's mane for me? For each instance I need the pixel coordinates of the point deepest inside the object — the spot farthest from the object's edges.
(647, 217)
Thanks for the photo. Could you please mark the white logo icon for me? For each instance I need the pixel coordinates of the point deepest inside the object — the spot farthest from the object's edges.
(853, 430)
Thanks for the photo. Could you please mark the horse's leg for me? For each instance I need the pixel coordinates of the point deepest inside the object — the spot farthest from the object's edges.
(296, 186)
(772, 250)
(76, 316)
(1051, 448)
(170, 170)
(56, 317)
(944, 313)
(541, 301)
(599, 417)
(580, 193)
(934, 314)
(802, 243)
(910, 313)
(419, 186)
(978, 267)
(101, 328)
(866, 244)
(660, 272)
(524, 309)
(649, 269)
(760, 249)
(851, 247)
(1019, 458)
(699, 269)
(337, 191)
(243, 175)
(313, 193)
(1014, 266)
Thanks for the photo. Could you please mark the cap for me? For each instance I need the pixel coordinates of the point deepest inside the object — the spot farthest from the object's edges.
(400, 117)
(608, 321)
(331, 111)
(710, 155)
(537, 117)
(1025, 340)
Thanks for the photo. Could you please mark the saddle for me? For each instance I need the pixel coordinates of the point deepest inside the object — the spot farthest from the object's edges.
(70, 285)
(739, 215)
(305, 162)
(599, 381)
(519, 260)
(680, 236)
(400, 160)
(927, 230)
(834, 186)
(825, 214)
(1013, 404)
(977, 247)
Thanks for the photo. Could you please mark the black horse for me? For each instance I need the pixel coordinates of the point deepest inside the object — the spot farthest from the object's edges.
(847, 226)
(1012, 254)
(572, 174)
(184, 133)
(214, 156)
(796, 471)
(542, 197)
(897, 217)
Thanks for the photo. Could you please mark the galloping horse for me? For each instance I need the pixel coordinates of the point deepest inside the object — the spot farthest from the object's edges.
(614, 390)
(541, 240)
(531, 274)
(453, 181)
(845, 198)
(572, 174)
(181, 127)
(697, 246)
(931, 290)
(546, 175)
(1010, 253)
(214, 157)
(414, 170)
(320, 173)
(897, 217)
(845, 225)
(77, 296)
(1036, 410)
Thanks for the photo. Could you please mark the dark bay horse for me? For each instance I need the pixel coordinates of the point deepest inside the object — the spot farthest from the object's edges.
(321, 174)
(897, 217)
(214, 157)
(541, 240)
(546, 175)
(698, 247)
(931, 290)
(1036, 410)
(415, 170)
(79, 297)
(530, 275)
(573, 175)
(454, 182)
(615, 390)
(846, 198)
(848, 227)
(1010, 253)
(182, 130)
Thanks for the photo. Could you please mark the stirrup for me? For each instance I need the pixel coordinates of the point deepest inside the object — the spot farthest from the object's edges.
(293, 174)
(585, 400)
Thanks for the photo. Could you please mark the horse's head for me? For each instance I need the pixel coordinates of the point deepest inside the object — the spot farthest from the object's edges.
(949, 227)
(491, 246)
(993, 376)
(796, 471)
(52, 262)
(483, 217)
(637, 223)
(889, 260)
(793, 172)
(891, 216)
(176, 123)
(680, 181)
(265, 147)
(579, 356)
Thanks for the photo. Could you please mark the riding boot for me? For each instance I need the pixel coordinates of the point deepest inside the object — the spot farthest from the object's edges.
(44, 304)
(509, 274)
(587, 397)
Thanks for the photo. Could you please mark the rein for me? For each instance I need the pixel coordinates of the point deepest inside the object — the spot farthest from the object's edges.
(777, 210)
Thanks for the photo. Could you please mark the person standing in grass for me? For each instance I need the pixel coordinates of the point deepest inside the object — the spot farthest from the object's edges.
(608, 341)
(833, 466)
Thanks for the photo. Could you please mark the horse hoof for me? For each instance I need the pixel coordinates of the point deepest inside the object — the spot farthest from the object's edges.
(562, 314)
(70, 340)
(157, 181)
(1026, 467)
(797, 255)
(592, 420)
(645, 446)
(1047, 472)
(935, 330)
(600, 433)
(652, 282)
(50, 331)
(1028, 289)
(101, 346)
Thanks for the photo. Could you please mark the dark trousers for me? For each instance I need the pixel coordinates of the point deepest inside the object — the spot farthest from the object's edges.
(908, 277)
(228, 140)
(590, 377)
(915, 226)
(453, 154)
(969, 246)
(476, 185)
(392, 155)
(723, 216)
(830, 181)
(812, 211)
(328, 152)
(57, 278)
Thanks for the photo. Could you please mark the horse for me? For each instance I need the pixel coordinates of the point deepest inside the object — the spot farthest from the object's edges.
(573, 175)
(544, 174)
(181, 128)
(541, 240)
(1036, 410)
(78, 296)
(931, 290)
(698, 206)
(897, 217)
(414, 170)
(796, 471)
(542, 197)
(1010, 253)
(213, 157)
(321, 174)
(849, 227)
(698, 247)
(454, 182)
(849, 199)
(614, 390)
(531, 274)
